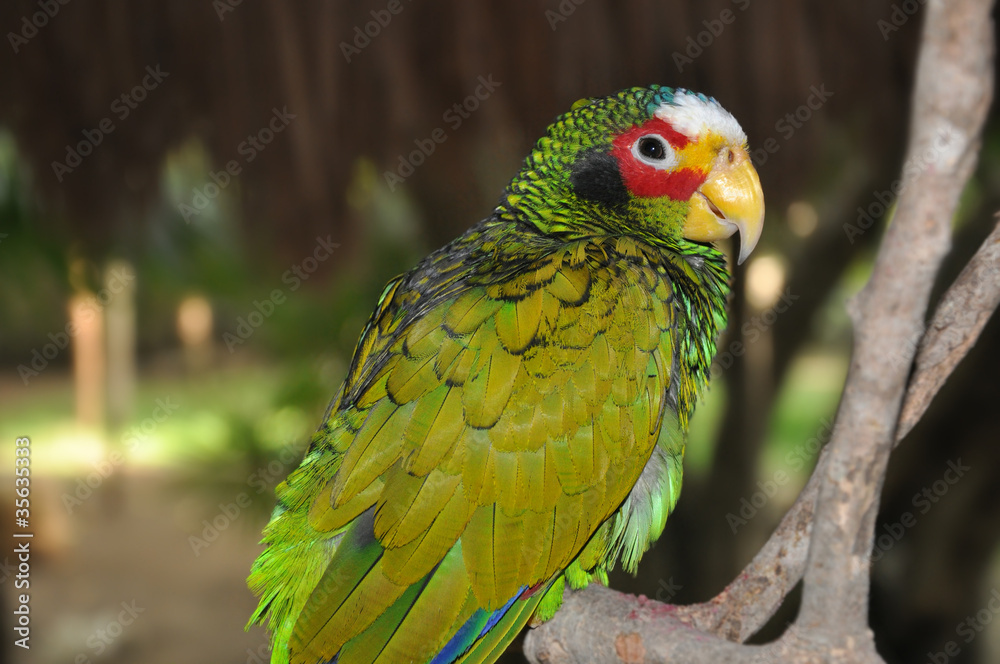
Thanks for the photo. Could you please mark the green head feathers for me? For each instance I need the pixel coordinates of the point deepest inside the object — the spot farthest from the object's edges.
(642, 162)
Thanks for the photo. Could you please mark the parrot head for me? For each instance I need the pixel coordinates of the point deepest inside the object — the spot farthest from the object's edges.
(667, 165)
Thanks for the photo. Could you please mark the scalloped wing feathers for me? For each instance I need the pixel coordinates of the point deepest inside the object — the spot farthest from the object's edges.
(476, 449)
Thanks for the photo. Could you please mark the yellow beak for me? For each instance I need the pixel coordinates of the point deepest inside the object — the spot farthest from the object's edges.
(730, 200)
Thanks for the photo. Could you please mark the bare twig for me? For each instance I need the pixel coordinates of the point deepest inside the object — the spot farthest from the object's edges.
(956, 325)
(833, 517)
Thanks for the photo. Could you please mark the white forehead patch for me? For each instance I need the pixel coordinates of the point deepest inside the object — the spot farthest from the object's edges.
(694, 116)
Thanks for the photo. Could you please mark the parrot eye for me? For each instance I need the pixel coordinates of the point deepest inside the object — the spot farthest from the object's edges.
(652, 148)
(654, 151)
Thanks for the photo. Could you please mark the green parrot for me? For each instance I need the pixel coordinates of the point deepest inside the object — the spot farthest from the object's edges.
(514, 417)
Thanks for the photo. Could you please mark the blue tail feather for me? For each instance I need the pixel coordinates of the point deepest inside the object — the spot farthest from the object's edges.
(474, 629)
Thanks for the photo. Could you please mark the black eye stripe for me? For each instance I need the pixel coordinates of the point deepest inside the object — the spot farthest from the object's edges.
(595, 176)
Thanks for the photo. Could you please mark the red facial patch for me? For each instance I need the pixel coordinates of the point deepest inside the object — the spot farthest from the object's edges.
(645, 181)
(655, 126)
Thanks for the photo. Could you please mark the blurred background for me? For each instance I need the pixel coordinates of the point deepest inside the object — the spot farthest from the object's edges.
(201, 202)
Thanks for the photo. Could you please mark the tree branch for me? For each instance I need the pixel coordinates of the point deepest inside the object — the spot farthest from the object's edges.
(751, 599)
(952, 95)
(961, 316)
(834, 516)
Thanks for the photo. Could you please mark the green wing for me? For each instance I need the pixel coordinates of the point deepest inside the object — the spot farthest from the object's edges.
(482, 437)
